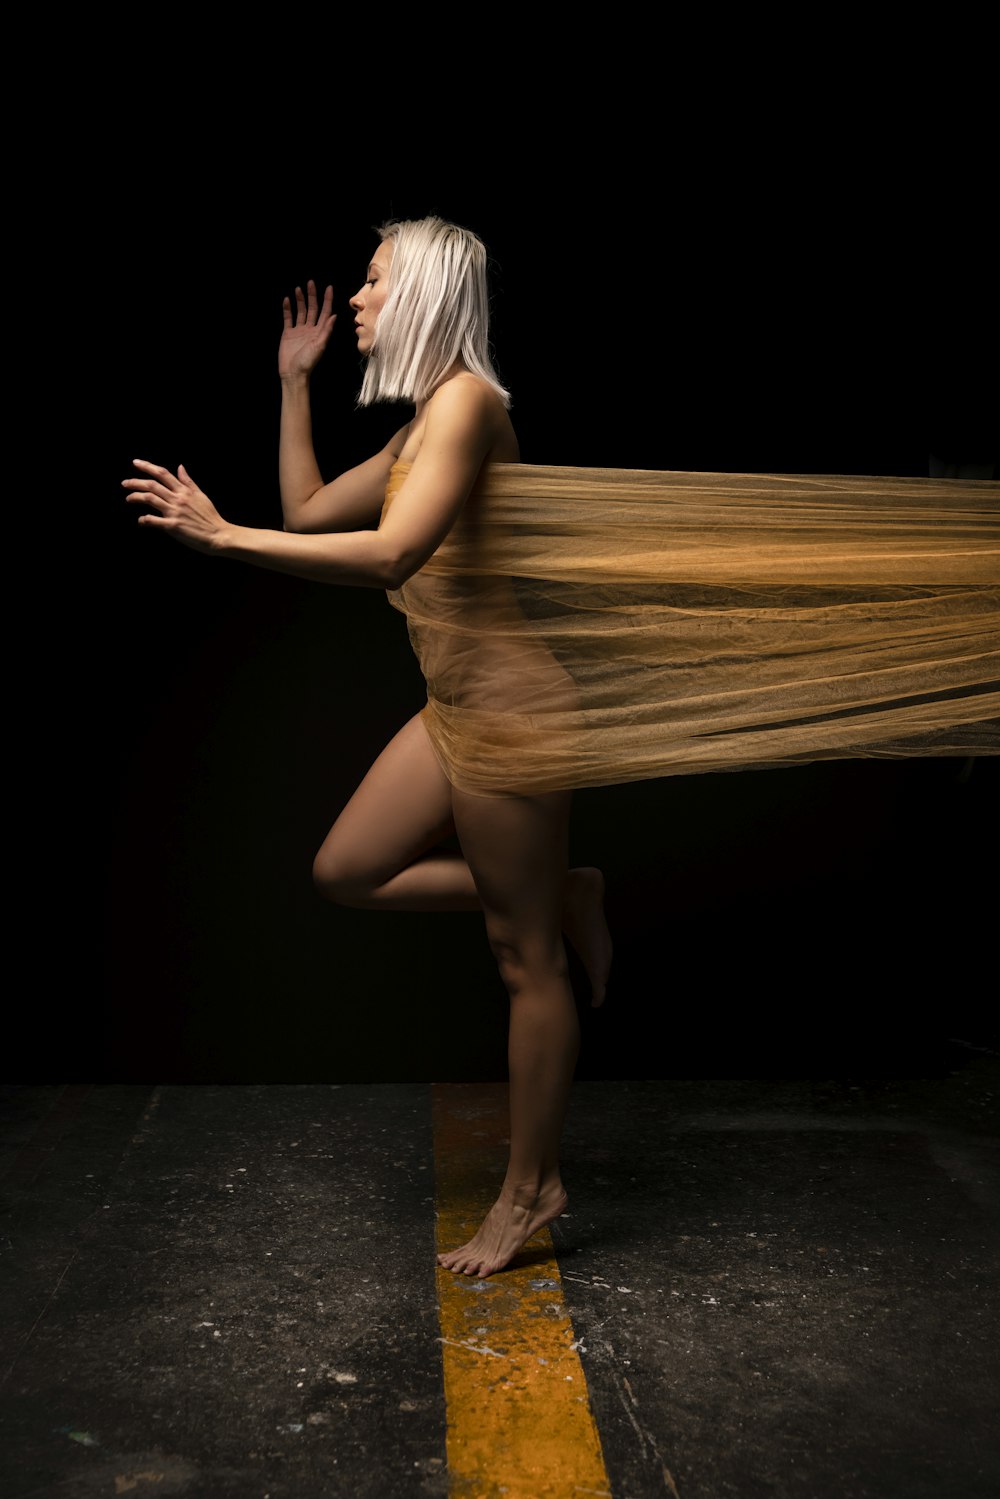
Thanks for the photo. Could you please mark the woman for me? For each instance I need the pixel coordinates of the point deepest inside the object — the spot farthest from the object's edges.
(421, 319)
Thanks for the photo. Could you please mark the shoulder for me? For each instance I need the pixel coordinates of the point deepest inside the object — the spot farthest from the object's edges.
(465, 400)
(467, 413)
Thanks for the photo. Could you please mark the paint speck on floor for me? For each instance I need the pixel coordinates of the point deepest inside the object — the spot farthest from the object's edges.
(126, 1482)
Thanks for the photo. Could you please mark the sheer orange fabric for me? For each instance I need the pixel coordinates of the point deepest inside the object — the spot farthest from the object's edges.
(580, 627)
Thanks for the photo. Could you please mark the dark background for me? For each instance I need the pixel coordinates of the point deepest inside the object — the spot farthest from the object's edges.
(780, 299)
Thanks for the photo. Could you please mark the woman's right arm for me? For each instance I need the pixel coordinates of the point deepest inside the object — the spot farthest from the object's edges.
(353, 501)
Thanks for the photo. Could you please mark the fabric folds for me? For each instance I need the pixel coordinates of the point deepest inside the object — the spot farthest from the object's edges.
(581, 627)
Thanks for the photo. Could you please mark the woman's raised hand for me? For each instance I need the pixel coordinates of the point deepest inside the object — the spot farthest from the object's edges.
(306, 333)
(183, 511)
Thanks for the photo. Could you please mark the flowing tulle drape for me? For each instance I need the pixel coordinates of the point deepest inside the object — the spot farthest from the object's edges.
(580, 627)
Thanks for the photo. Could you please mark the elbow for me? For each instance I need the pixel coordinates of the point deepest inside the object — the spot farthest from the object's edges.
(397, 563)
(394, 572)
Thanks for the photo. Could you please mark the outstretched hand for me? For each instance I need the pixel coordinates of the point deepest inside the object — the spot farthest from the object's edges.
(183, 510)
(307, 331)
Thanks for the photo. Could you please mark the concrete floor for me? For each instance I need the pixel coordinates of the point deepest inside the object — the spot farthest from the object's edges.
(777, 1289)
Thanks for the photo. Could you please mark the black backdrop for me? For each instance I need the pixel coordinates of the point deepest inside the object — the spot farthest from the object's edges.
(212, 719)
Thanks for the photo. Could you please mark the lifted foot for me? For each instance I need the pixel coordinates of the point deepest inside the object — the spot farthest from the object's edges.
(586, 927)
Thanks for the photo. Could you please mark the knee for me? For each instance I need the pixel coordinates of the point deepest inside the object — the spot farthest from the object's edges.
(525, 961)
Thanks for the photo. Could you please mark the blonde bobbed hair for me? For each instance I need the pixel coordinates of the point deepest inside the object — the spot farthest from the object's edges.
(436, 312)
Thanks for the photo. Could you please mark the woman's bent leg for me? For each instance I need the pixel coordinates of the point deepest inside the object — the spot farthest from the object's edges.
(517, 850)
(383, 848)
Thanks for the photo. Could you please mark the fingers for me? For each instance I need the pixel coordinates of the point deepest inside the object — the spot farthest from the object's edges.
(179, 505)
(146, 492)
(158, 478)
(157, 485)
(309, 312)
(147, 497)
(154, 475)
(320, 314)
(154, 468)
(327, 317)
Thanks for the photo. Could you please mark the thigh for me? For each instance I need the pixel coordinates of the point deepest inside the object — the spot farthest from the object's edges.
(518, 850)
(401, 809)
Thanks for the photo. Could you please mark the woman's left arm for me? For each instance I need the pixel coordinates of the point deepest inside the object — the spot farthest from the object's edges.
(460, 425)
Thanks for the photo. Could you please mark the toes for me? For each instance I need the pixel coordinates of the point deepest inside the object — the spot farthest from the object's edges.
(458, 1261)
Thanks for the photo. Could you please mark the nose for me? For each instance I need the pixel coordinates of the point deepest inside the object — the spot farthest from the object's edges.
(356, 301)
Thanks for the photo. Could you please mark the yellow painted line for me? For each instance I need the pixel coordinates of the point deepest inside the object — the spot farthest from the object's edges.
(518, 1410)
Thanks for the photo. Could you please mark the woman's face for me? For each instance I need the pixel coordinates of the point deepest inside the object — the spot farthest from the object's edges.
(367, 303)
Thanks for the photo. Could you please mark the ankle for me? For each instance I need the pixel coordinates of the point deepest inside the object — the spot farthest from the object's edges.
(524, 1191)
